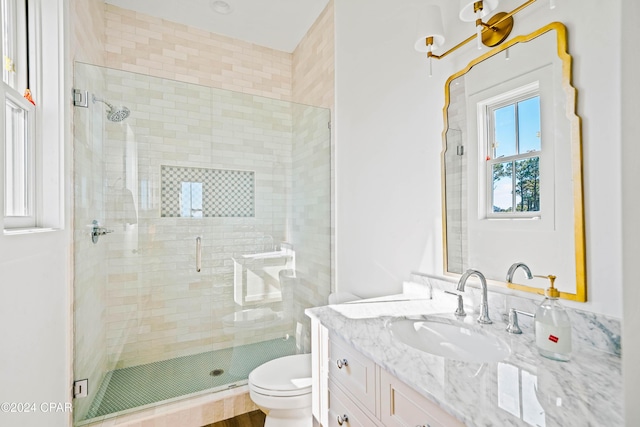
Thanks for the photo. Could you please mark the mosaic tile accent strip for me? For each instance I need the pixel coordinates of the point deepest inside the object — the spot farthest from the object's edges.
(199, 192)
(142, 385)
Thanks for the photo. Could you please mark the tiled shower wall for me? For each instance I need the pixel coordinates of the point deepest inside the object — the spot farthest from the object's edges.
(313, 84)
(86, 29)
(313, 63)
(157, 47)
(149, 45)
(158, 306)
(311, 216)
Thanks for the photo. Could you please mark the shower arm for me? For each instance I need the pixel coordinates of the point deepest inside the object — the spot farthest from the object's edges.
(103, 101)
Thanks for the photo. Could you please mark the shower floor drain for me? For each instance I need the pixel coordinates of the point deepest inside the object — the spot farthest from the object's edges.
(216, 372)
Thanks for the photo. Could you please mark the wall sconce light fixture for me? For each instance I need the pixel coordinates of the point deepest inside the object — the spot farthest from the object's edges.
(490, 33)
(430, 33)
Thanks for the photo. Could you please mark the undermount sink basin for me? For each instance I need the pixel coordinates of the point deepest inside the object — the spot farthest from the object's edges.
(455, 341)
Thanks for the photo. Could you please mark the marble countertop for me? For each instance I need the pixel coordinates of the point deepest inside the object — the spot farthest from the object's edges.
(525, 389)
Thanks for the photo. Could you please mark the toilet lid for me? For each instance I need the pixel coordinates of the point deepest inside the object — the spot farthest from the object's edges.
(285, 376)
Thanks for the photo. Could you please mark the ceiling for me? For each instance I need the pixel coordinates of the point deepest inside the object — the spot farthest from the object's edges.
(278, 24)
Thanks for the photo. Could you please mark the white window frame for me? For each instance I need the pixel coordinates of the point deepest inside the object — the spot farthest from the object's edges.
(30, 188)
(15, 80)
(47, 129)
(17, 51)
(486, 141)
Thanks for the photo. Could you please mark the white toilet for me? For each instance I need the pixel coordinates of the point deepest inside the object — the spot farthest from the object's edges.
(281, 388)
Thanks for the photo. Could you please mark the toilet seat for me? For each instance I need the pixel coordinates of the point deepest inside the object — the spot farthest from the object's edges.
(283, 377)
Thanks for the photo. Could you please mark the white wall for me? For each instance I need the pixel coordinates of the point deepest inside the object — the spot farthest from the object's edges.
(388, 138)
(631, 210)
(34, 280)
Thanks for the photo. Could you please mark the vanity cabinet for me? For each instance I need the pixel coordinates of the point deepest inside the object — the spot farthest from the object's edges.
(361, 393)
(401, 406)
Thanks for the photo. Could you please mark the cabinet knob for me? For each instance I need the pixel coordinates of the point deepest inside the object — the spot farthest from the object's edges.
(341, 363)
(343, 419)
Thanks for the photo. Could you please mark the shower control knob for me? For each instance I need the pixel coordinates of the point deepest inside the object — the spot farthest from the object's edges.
(343, 419)
(341, 363)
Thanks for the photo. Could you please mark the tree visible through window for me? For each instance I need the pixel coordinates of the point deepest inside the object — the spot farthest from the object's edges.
(514, 156)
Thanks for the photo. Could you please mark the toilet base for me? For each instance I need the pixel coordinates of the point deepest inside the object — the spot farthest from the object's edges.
(288, 418)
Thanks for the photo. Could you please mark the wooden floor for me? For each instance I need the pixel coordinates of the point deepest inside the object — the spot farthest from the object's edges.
(250, 419)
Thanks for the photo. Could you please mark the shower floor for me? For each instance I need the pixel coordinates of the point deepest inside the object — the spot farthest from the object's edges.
(141, 385)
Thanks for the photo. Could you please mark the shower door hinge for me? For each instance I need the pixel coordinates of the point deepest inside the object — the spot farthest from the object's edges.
(460, 150)
(329, 125)
(81, 98)
(80, 388)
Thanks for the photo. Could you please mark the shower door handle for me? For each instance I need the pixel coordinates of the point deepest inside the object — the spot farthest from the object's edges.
(198, 254)
(97, 231)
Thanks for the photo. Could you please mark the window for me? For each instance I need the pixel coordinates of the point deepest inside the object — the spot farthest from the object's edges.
(191, 199)
(514, 150)
(20, 204)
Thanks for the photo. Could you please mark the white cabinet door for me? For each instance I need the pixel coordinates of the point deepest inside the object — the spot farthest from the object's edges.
(354, 373)
(402, 406)
(344, 412)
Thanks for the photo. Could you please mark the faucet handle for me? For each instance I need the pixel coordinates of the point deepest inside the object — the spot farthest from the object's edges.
(460, 310)
(513, 327)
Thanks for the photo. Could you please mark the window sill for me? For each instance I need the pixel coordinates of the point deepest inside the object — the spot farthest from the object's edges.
(20, 231)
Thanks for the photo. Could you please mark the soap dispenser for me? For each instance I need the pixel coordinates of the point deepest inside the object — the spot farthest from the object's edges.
(552, 326)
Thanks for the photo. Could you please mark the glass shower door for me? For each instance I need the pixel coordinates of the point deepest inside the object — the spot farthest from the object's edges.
(219, 205)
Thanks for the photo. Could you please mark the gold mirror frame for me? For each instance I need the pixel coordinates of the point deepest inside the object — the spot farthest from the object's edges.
(576, 157)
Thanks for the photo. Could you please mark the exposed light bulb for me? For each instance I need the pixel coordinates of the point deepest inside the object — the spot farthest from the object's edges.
(552, 4)
(430, 66)
(506, 54)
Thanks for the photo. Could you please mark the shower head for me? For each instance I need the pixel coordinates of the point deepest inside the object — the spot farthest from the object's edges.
(115, 114)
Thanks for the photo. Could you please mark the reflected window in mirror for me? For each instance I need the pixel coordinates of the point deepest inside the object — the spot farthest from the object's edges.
(513, 148)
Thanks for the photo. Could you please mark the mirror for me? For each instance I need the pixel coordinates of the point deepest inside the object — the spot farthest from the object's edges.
(512, 166)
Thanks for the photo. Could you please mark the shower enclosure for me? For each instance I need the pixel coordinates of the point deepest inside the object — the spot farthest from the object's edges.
(202, 232)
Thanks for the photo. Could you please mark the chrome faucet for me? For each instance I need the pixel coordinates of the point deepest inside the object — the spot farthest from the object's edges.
(513, 269)
(484, 305)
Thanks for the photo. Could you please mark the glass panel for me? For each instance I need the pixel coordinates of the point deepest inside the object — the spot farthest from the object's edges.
(149, 327)
(17, 158)
(529, 125)
(505, 131)
(8, 42)
(456, 194)
(527, 185)
(502, 197)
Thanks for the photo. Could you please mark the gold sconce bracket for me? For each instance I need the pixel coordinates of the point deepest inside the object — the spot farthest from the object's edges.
(497, 29)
